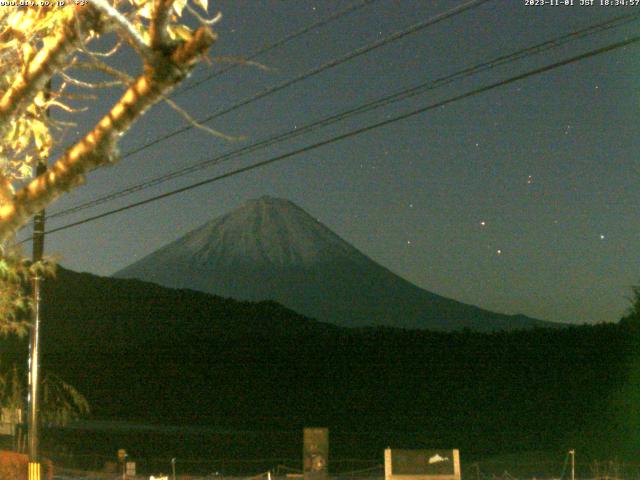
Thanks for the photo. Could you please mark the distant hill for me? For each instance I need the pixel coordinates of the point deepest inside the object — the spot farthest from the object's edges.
(103, 313)
(271, 249)
(144, 352)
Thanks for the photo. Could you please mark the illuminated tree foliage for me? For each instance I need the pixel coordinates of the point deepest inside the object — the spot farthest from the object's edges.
(15, 303)
(633, 311)
(61, 402)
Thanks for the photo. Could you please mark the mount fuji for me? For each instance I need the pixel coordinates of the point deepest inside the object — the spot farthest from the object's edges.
(271, 249)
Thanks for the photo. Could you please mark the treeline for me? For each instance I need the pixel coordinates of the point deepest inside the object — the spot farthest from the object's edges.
(140, 351)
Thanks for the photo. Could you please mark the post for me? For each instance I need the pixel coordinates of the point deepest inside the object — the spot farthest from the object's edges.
(315, 453)
(34, 340)
(573, 464)
(173, 467)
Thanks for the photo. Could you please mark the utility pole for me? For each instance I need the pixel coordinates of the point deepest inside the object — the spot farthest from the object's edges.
(34, 345)
(573, 464)
(34, 339)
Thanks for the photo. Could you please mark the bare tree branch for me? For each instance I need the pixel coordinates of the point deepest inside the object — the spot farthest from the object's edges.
(92, 85)
(108, 53)
(97, 64)
(158, 27)
(195, 124)
(201, 19)
(124, 27)
(242, 61)
(44, 64)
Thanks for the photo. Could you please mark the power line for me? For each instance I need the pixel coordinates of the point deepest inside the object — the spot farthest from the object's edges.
(321, 23)
(380, 102)
(333, 63)
(349, 56)
(355, 132)
(335, 16)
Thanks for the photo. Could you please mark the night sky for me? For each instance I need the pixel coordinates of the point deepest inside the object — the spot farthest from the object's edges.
(519, 200)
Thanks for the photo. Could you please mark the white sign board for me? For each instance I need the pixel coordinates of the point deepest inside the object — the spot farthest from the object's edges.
(421, 464)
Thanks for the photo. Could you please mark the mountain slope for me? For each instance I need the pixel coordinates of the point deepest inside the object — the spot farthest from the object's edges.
(270, 248)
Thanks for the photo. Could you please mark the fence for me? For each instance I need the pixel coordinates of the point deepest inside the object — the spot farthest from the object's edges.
(105, 468)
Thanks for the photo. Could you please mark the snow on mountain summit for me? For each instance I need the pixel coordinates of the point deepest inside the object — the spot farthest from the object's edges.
(263, 231)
